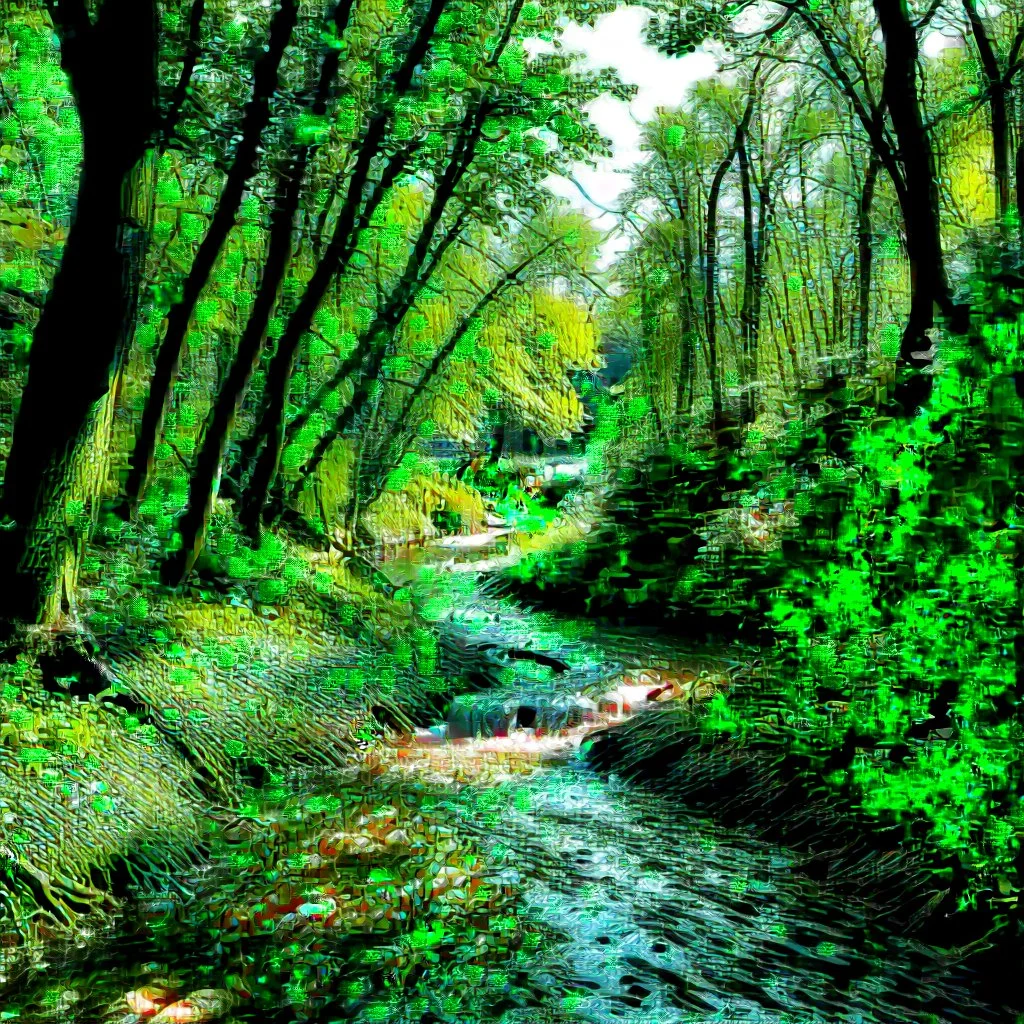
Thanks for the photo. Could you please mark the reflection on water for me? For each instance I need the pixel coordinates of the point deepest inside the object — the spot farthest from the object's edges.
(661, 917)
(553, 896)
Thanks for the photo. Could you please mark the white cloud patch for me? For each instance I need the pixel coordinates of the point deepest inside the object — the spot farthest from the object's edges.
(615, 42)
(935, 42)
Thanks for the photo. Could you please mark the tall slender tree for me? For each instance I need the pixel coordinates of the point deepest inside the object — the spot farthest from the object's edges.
(711, 243)
(243, 167)
(205, 476)
(270, 430)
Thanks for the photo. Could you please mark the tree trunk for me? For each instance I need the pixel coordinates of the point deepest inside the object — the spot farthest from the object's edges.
(711, 282)
(353, 510)
(277, 500)
(747, 328)
(88, 478)
(1018, 174)
(202, 486)
(780, 361)
(116, 89)
(804, 256)
(997, 112)
(685, 308)
(711, 259)
(864, 258)
(765, 225)
(271, 429)
(838, 326)
(188, 66)
(794, 354)
(929, 285)
(684, 318)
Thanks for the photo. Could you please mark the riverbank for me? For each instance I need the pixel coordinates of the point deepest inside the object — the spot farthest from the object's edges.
(219, 657)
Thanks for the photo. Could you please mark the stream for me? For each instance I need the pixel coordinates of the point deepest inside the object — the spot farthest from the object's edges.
(618, 906)
(472, 886)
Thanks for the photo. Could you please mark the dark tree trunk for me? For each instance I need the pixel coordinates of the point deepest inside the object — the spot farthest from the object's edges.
(864, 259)
(202, 486)
(649, 322)
(684, 318)
(82, 329)
(355, 504)
(686, 308)
(803, 249)
(270, 431)
(912, 172)
(168, 359)
(497, 445)
(690, 310)
(747, 327)
(711, 283)
(776, 313)
(188, 65)
(929, 285)
(787, 320)
(277, 501)
(1000, 153)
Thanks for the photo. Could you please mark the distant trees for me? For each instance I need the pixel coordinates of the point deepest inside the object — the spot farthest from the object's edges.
(862, 165)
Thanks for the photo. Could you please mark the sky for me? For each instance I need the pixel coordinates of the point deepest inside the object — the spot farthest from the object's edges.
(615, 42)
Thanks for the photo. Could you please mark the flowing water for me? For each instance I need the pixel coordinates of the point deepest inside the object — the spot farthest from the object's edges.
(609, 904)
(660, 916)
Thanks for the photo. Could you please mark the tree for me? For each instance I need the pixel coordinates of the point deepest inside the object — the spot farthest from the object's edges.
(892, 123)
(243, 167)
(116, 99)
(686, 148)
(864, 256)
(514, 346)
(999, 92)
(929, 283)
(661, 269)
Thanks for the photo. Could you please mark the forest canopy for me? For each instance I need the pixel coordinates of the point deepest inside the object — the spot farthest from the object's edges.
(332, 231)
(336, 240)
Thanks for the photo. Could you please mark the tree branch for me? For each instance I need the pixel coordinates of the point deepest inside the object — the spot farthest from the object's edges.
(508, 279)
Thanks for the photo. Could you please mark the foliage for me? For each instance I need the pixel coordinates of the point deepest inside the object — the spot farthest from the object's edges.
(279, 288)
